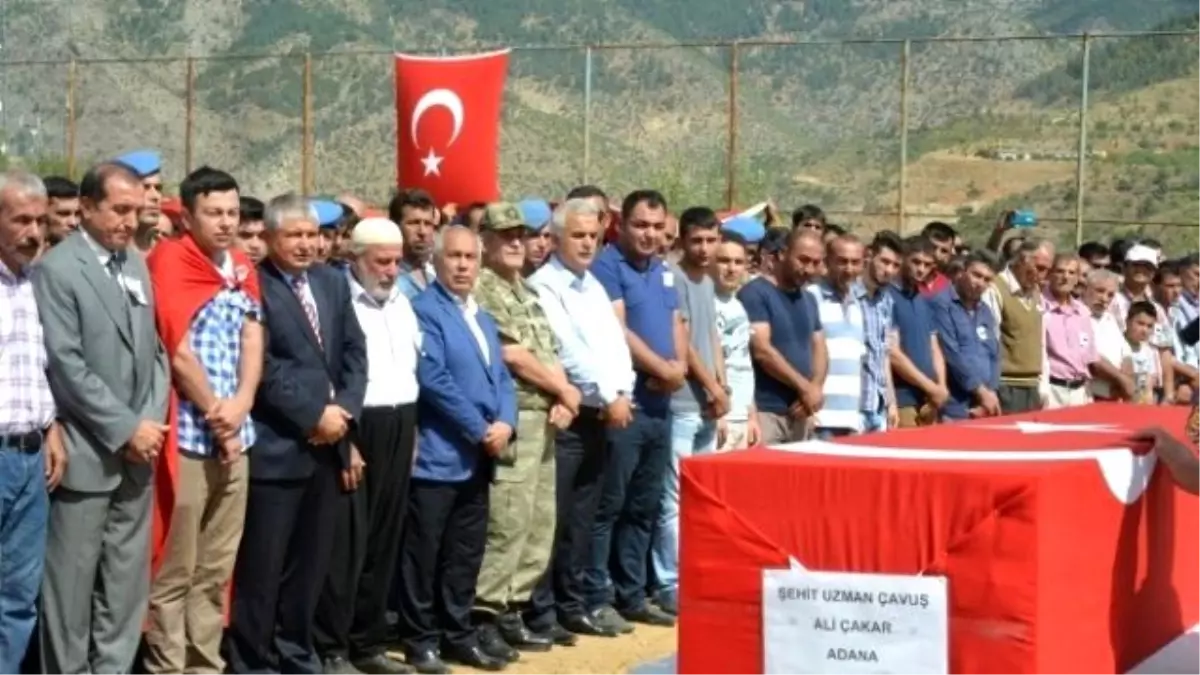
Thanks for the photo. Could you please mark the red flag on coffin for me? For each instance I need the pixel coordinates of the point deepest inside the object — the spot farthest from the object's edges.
(448, 124)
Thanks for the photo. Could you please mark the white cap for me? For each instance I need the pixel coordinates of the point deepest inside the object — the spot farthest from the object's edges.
(376, 232)
(1139, 253)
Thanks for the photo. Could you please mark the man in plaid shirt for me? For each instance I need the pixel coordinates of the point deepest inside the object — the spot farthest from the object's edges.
(209, 321)
(879, 409)
(30, 446)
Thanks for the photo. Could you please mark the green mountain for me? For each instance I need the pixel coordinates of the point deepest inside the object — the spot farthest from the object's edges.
(815, 122)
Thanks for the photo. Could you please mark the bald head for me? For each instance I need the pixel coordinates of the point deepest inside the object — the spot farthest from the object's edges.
(844, 261)
(802, 262)
(806, 238)
(456, 253)
(843, 243)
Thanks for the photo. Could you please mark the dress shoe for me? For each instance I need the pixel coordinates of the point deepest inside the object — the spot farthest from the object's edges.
(560, 636)
(382, 664)
(668, 601)
(475, 657)
(494, 645)
(648, 614)
(607, 617)
(338, 665)
(582, 624)
(514, 631)
(427, 662)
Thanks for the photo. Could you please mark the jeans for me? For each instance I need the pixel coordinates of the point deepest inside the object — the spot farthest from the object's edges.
(637, 458)
(691, 434)
(24, 510)
(874, 421)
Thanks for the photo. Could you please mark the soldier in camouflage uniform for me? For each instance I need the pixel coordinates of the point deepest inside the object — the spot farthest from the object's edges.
(522, 505)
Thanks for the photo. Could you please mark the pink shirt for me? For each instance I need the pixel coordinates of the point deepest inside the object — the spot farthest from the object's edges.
(1070, 339)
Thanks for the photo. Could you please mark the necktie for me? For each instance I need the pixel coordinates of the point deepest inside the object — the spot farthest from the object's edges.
(115, 263)
(310, 308)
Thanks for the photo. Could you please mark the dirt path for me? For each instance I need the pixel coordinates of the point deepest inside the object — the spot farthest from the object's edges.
(597, 655)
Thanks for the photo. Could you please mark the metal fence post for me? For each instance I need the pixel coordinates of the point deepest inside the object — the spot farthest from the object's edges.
(189, 118)
(731, 150)
(1081, 159)
(902, 189)
(72, 92)
(306, 129)
(587, 114)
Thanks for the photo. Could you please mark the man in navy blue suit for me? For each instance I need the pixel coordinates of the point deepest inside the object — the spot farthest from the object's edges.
(313, 383)
(467, 410)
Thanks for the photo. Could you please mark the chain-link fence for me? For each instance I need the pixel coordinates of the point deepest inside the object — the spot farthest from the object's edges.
(1084, 129)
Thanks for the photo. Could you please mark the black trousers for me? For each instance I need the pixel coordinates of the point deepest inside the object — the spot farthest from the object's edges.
(445, 531)
(579, 457)
(351, 617)
(281, 566)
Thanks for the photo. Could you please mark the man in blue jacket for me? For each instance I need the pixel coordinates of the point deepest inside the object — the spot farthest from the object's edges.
(468, 410)
(966, 329)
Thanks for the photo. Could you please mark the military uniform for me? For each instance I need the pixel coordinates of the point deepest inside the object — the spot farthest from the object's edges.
(521, 517)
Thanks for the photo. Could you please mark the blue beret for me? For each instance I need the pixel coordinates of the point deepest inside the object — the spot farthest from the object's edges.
(144, 162)
(328, 212)
(535, 212)
(748, 228)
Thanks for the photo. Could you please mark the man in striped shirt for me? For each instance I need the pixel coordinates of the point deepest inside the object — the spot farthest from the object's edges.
(840, 298)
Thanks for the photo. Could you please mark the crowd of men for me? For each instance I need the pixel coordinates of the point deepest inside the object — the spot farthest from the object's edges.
(294, 436)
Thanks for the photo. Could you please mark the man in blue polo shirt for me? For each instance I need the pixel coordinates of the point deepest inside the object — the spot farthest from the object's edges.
(915, 355)
(787, 343)
(966, 329)
(645, 299)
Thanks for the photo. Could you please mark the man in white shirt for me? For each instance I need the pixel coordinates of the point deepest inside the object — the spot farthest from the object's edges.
(1108, 381)
(351, 624)
(597, 361)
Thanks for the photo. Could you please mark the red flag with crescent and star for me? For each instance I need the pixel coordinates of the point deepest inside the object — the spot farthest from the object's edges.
(448, 125)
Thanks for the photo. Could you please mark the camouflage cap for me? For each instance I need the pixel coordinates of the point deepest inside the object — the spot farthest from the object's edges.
(502, 216)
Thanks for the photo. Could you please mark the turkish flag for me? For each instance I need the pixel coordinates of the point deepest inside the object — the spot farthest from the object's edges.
(448, 125)
(1066, 547)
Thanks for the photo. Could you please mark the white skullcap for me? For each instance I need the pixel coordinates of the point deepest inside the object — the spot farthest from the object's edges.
(376, 232)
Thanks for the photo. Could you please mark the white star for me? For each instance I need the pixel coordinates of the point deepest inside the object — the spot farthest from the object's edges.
(432, 163)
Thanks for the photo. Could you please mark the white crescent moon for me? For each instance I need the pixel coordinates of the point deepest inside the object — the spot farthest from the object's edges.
(435, 98)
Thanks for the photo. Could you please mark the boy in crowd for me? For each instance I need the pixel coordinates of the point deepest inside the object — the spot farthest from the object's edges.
(739, 428)
(1141, 360)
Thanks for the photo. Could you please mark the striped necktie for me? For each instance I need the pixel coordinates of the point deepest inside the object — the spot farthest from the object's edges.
(299, 283)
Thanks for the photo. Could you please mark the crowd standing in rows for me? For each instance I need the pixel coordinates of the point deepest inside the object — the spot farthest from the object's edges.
(288, 437)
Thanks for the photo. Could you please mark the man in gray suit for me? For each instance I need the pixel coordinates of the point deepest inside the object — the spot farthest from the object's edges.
(108, 372)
